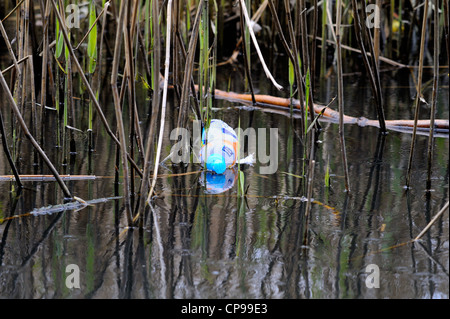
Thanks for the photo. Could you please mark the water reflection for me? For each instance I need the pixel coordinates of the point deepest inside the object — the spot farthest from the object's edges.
(218, 183)
(201, 240)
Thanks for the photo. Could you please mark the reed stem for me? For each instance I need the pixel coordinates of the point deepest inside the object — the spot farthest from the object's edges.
(341, 94)
(418, 94)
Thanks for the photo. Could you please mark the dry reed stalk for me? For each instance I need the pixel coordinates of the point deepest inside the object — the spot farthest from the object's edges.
(370, 65)
(446, 30)
(435, 218)
(144, 187)
(12, 66)
(104, 10)
(164, 97)
(418, 94)
(189, 64)
(118, 110)
(376, 31)
(314, 44)
(8, 45)
(376, 76)
(246, 57)
(341, 94)
(258, 50)
(435, 92)
(297, 70)
(129, 82)
(45, 59)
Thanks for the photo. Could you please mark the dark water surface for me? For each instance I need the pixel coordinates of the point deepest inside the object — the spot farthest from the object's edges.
(223, 246)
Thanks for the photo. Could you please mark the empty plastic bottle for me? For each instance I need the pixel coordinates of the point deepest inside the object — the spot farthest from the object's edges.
(219, 147)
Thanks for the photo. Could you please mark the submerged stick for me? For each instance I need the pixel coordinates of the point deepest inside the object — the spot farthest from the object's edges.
(45, 178)
(268, 101)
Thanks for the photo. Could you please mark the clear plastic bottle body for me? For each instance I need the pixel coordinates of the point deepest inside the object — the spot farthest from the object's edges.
(219, 143)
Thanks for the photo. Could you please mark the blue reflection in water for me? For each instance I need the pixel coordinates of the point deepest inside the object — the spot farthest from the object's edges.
(218, 183)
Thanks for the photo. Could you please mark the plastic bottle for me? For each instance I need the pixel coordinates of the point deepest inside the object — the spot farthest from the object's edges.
(219, 147)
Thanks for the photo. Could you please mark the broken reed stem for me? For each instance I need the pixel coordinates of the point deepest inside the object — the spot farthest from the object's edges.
(164, 98)
(418, 94)
(341, 94)
(30, 137)
(434, 94)
(118, 110)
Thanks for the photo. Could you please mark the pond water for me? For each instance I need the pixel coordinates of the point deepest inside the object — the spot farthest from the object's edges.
(198, 244)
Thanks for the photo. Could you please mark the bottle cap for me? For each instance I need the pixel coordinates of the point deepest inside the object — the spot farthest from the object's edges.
(216, 163)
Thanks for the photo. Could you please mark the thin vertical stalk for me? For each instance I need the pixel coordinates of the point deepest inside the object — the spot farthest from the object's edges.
(434, 94)
(45, 62)
(255, 43)
(156, 36)
(304, 36)
(341, 93)
(118, 109)
(371, 66)
(418, 94)
(296, 62)
(314, 44)
(246, 56)
(164, 98)
(446, 29)
(323, 55)
(184, 100)
(376, 31)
